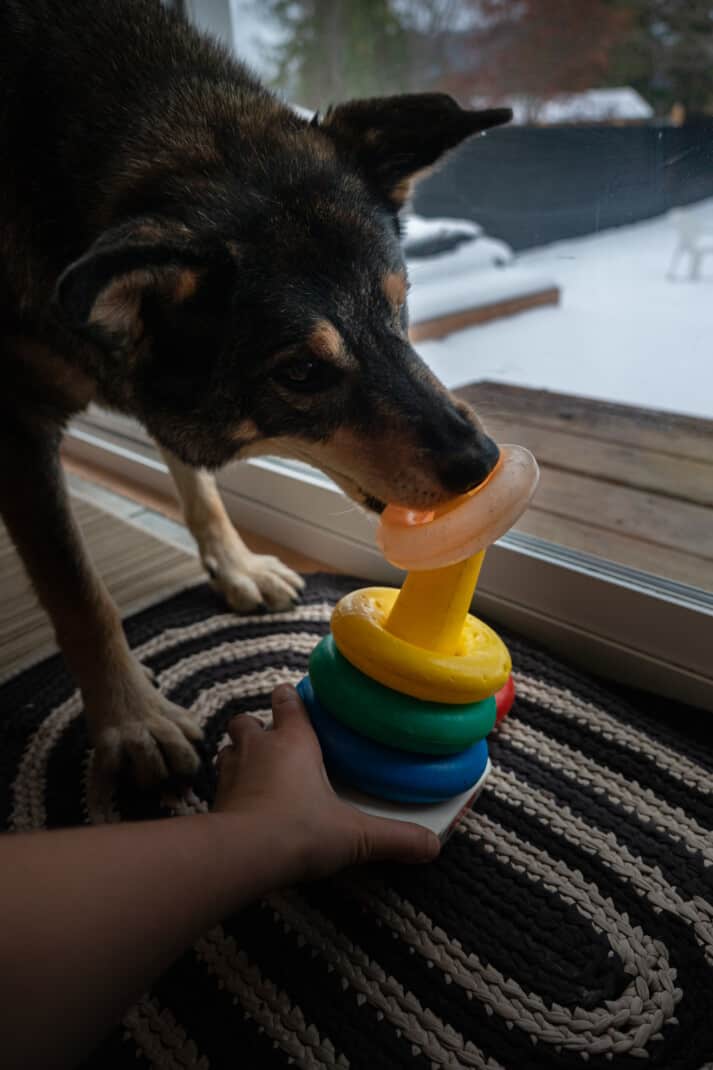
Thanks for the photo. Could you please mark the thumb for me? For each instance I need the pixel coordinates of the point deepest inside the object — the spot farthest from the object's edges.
(288, 710)
(398, 841)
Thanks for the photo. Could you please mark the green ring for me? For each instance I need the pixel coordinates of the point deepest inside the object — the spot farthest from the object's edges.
(390, 717)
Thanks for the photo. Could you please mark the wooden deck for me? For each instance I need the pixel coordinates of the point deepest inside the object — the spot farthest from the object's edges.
(440, 326)
(631, 485)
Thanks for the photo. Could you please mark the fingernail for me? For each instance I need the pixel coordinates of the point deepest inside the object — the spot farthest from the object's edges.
(283, 693)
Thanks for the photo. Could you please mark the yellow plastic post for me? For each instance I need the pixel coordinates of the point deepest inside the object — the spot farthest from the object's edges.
(432, 605)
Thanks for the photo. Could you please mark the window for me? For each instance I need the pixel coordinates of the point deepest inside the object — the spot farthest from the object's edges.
(562, 281)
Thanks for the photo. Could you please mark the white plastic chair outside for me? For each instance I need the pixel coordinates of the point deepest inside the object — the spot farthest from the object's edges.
(695, 241)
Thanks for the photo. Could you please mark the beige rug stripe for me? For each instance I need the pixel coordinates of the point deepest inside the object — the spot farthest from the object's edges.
(138, 568)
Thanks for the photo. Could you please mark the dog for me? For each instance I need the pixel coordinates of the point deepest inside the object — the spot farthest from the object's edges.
(180, 245)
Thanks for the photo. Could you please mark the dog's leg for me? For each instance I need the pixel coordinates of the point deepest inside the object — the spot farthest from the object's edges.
(128, 718)
(246, 580)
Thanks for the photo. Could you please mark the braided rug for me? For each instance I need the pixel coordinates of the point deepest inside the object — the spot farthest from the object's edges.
(568, 922)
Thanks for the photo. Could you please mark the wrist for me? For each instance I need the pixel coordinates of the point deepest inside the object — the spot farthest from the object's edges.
(261, 853)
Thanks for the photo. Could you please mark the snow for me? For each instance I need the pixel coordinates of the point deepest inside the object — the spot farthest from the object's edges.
(596, 105)
(476, 273)
(418, 229)
(624, 331)
(481, 252)
(591, 106)
(439, 297)
(472, 274)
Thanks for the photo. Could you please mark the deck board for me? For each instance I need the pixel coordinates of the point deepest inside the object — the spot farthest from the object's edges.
(441, 326)
(685, 478)
(631, 485)
(665, 432)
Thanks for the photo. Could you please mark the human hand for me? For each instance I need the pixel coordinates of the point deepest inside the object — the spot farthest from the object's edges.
(277, 777)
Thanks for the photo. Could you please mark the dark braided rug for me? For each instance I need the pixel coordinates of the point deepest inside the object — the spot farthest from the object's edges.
(569, 919)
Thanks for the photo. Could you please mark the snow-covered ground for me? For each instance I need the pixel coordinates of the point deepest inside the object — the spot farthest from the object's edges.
(623, 332)
(468, 276)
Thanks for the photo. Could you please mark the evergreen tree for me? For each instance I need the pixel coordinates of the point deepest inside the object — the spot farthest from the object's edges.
(668, 54)
(333, 50)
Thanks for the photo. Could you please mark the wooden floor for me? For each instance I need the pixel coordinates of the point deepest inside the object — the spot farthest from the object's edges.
(162, 516)
(139, 544)
(631, 485)
(137, 568)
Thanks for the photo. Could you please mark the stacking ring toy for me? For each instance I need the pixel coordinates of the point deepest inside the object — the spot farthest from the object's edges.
(477, 668)
(386, 772)
(408, 684)
(452, 532)
(504, 700)
(392, 717)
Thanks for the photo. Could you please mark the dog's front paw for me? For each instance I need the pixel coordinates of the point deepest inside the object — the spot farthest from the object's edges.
(151, 735)
(248, 581)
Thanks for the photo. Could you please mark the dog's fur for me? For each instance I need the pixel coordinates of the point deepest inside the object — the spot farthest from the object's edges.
(177, 244)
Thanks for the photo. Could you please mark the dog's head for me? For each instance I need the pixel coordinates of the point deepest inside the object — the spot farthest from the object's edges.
(261, 305)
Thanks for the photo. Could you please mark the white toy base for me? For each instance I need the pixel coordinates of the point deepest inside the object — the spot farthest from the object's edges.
(441, 817)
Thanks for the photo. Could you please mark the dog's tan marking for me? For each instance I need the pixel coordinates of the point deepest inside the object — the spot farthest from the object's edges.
(401, 192)
(394, 286)
(356, 464)
(403, 189)
(186, 285)
(118, 306)
(246, 432)
(325, 341)
(148, 234)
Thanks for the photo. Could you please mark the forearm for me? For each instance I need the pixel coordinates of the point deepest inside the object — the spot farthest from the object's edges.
(89, 917)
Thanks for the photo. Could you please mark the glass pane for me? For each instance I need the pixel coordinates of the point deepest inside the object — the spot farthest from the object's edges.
(561, 267)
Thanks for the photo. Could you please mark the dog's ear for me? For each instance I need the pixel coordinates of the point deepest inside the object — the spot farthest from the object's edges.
(107, 290)
(392, 140)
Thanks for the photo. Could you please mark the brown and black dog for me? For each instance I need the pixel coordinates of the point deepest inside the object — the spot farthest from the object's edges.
(176, 243)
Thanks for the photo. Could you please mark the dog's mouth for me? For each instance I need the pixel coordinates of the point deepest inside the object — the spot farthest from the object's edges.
(374, 505)
(353, 487)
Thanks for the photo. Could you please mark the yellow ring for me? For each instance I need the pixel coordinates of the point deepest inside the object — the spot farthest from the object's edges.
(479, 668)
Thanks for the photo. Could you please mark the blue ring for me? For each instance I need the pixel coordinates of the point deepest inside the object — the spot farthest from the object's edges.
(388, 773)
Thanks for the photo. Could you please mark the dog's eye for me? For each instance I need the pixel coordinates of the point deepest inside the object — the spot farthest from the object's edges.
(307, 374)
(300, 371)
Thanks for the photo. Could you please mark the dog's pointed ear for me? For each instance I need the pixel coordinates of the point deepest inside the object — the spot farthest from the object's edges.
(392, 140)
(105, 292)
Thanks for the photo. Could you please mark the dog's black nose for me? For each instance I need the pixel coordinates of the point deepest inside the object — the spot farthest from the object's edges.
(462, 471)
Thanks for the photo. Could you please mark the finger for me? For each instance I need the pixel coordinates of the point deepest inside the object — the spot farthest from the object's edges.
(399, 841)
(288, 712)
(241, 725)
(224, 757)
